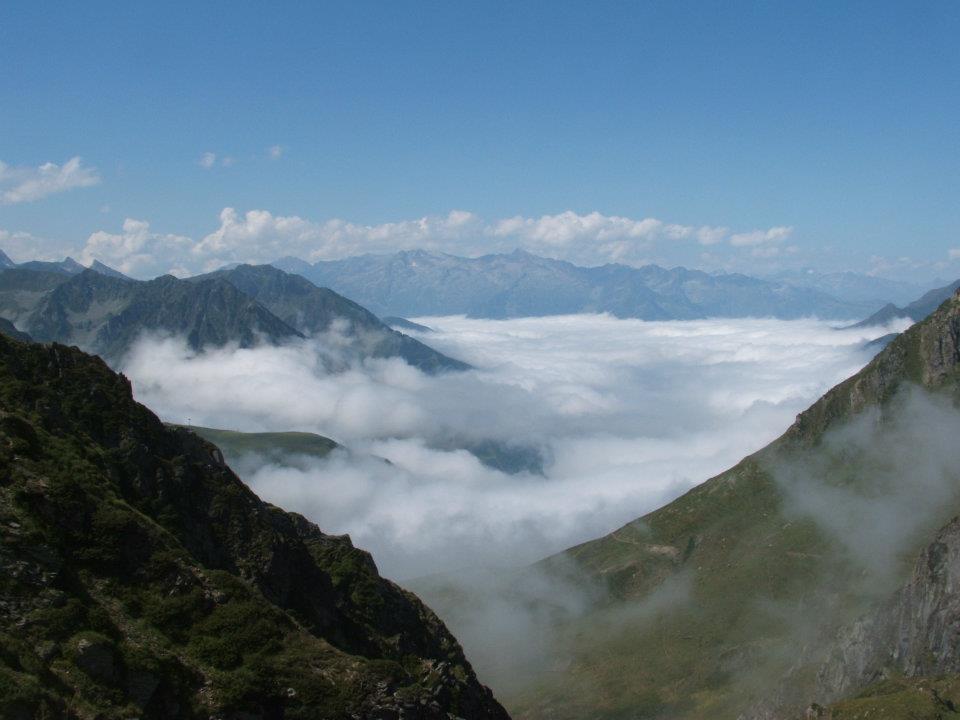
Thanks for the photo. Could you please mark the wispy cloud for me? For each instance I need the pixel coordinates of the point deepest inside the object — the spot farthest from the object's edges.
(137, 250)
(207, 160)
(761, 237)
(210, 160)
(28, 184)
(275, 152)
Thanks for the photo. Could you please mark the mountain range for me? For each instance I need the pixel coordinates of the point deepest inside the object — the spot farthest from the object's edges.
(140, 578)
(418, 283)
(105, 312)
(313, 310)
(916, 310)
(67, 266)
(851, 286)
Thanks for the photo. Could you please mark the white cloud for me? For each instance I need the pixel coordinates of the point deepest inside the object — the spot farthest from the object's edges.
(136, 250)
(22, 246)
(760, 237)
(27, 184)
(207, 160)
(567, 227)
(627, 413)
(711, 235)
(953, 253)
(275, 152)
(259, 236)
(594, 237)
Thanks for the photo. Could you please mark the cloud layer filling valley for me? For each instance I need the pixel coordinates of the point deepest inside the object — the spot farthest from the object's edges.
(627, 414)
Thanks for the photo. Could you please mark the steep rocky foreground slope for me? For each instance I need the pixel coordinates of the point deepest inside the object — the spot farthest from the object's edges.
(901, 661)
(702, 608)
(140, 578)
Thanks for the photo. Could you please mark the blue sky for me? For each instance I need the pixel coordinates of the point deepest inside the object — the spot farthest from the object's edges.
(821, 134)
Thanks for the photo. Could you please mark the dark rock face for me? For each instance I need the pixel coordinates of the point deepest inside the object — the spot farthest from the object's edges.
(916, 633)
(312, 310)
(105, 314)
(97, 659)
(140, 577)
(21, 290)
(9, 329)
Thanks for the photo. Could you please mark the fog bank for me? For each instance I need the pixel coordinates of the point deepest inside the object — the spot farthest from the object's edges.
(627, 414)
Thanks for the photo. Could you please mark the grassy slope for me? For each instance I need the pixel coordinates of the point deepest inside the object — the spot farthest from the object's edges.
(902, 699)
(270, 445)
(755, 575)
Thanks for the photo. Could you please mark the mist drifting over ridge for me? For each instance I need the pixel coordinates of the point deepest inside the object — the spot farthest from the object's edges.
(626, 414)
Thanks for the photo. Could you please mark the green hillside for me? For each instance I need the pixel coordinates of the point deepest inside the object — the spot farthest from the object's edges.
(269, 445)
(140, 578)
(700, 608)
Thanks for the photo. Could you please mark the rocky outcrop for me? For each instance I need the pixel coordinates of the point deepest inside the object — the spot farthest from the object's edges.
(916, 633)
(139, 577)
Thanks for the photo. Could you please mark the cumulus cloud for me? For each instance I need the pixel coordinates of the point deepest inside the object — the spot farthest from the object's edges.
(28, 184)
(594, 236)
(136, 250)
(626, 414)
(23, 246)
(259, 236)
(711, 235)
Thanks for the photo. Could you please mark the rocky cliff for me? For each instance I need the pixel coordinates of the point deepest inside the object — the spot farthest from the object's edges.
(140, 578)
(901, 659)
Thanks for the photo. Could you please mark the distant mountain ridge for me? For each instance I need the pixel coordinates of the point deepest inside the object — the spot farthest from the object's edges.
(106, 315)
(104, 312)
(312, 310)
(416, 283)
(67, 266)
(852, 287)
(916, 311)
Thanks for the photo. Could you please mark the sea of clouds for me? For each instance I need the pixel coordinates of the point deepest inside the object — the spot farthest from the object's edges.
(627, 415)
